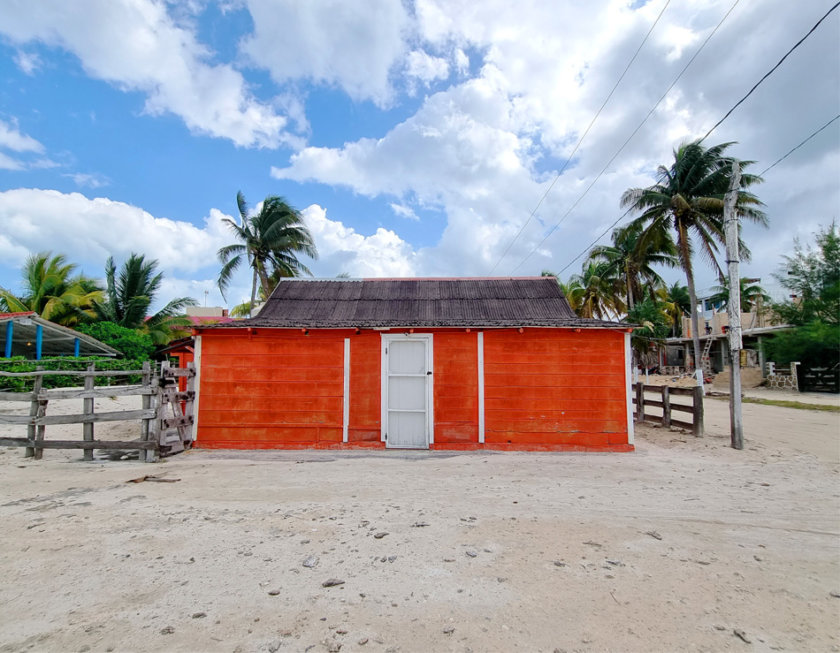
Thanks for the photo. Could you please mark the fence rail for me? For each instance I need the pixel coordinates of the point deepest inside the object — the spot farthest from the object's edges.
(160, 433)
(668, 406)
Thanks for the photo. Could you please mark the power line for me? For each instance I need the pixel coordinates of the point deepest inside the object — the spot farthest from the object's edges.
(627, 212)
(629, 138)
(778, 161)
(603, 233)
(772, 70)
(548, 190)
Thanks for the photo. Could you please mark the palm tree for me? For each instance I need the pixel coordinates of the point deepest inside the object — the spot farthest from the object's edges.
(130, 294)
(595, 292)
(51, 290)
(269, 241)
(687, 202)
(752, 294)
(678, 303)
(631, 257)
(654, 320)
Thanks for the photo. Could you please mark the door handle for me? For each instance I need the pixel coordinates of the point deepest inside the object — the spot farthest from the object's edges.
(428, 373)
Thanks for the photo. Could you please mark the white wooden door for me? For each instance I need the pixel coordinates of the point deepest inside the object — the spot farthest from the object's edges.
(407, 382)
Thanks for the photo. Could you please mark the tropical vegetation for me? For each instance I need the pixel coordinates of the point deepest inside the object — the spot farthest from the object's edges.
(812, 275)
(19, 364)
(685, 205)
(677, 219)
(53, 289)
(631, 257)
(118, 315)
(753, 296)
(129, 296)
(269, 242)
(131, 343)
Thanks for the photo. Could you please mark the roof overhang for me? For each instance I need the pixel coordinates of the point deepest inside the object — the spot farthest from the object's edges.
(56, 340)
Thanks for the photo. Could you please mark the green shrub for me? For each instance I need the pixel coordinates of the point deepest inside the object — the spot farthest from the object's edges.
(130, 343)
(25, 384)
(815, 344)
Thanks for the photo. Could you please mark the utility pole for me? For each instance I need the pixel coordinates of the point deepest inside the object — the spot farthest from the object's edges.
(730, 222)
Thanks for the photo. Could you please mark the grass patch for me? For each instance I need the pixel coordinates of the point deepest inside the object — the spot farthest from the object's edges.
(785, 403)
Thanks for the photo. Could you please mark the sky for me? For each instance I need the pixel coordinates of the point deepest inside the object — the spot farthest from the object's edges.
(417, 138)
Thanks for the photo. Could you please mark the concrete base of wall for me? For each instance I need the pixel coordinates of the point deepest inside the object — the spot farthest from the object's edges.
(435, 447)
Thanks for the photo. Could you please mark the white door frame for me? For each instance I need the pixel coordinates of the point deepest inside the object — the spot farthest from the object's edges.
(387, 338)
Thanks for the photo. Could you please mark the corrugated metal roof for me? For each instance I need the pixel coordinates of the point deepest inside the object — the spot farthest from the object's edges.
(369, 303)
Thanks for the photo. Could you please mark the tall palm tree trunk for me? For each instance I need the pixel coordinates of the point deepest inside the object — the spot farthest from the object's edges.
(253, 294)
(630, 298)
(265, 284)
(685, 255)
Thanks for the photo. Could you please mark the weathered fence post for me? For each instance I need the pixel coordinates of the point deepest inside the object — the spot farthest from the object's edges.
(41, 428)
(698, 411)
(87, 427)
(189, 411)
(666, 406)
(640, 402)
(33, 411)
(145, 454)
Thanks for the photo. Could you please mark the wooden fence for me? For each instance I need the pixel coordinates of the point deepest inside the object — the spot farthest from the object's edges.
(669, 406)
(166, 415)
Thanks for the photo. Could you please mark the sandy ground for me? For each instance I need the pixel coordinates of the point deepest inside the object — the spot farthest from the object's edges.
(685, 544)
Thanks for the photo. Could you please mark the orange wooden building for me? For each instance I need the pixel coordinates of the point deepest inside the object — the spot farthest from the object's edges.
(415, 363)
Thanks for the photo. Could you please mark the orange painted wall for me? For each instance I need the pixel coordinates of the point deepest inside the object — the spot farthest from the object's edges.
(365, 387)
(554, 387)
(544, 389)
(271, 389)
(456, 387)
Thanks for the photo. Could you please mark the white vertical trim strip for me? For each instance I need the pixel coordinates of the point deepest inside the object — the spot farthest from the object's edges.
(197, 361)
(481, 387)
(430, 386)
(346, 396)
(628, 381)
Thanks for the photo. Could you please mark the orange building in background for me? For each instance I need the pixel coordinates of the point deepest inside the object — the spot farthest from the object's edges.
(415, 363)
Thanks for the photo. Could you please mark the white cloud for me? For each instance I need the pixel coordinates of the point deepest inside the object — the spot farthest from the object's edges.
(353, 45)
(24, 146)
(88, 231)
(458, 152)
(12, 139)
(85, 180)
(343, 249)
(425, 67)
(485, 149)
(404, 211)
(136, 45)
(462, 62)
(28, 62)
(91, 230)
(8, 163)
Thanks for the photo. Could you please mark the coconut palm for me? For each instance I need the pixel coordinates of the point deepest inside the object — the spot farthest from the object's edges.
(269, 242)
(631, 258)
(687, 203)
(752, 294)
(653, 320)
(678, 303)
(130, 294)
(52, 290)
(595, 292)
